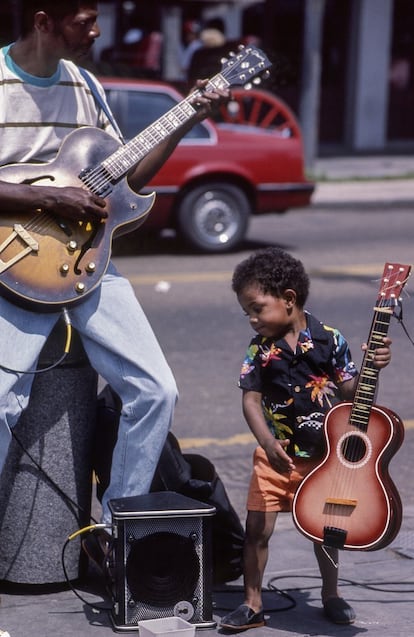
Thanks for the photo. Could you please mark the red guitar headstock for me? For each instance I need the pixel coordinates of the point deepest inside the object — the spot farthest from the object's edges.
(393, 280)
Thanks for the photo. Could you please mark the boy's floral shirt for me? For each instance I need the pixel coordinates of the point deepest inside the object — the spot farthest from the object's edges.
(299, 387)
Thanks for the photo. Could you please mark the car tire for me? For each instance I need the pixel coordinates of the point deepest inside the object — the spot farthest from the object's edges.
(214, 217)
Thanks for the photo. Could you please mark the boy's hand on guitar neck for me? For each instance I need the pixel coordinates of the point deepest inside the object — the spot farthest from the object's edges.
(382, 355)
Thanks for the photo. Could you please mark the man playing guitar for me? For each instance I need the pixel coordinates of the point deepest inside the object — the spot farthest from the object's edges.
(44, 97)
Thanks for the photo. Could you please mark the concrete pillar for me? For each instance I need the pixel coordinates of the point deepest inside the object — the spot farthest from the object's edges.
(171, 21)
(369, 59)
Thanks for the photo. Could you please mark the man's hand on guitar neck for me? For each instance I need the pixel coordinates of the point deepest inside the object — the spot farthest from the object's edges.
(206, 102)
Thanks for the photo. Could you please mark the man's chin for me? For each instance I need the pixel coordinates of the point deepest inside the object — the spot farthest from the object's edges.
(82, 56)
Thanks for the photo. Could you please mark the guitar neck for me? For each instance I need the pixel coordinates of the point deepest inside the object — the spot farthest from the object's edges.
(368, 377)
(120, 163)
(393, 280)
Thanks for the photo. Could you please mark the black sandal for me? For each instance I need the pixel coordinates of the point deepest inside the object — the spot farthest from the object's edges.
(243, 618)
(339, 611)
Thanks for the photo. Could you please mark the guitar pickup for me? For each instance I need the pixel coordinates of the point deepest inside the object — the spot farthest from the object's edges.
(96, 180)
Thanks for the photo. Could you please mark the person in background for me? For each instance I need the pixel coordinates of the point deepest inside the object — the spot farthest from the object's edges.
(206, 60)
(295, 369)
(192, 42)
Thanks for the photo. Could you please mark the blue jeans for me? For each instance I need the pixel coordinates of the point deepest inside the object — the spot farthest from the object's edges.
(123, 349)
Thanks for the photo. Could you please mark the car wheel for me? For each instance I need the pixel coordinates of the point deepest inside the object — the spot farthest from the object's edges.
(214, 217)
(262, 109)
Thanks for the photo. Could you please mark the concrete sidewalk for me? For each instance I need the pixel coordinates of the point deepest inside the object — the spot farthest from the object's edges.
(379, 585)
(369, 181)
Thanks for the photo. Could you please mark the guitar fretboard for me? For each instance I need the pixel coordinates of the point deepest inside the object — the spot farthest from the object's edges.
(368, 378)
(119, 163)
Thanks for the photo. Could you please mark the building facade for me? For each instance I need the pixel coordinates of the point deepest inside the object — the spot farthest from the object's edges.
(366, 82)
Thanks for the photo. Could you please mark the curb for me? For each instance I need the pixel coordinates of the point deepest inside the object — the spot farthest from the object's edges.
(370, 193)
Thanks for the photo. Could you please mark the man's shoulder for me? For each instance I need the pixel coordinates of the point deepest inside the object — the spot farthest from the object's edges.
(73, 71)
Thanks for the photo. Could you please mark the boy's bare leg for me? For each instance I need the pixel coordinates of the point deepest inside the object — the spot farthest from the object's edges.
(335, 607)
(259, 530)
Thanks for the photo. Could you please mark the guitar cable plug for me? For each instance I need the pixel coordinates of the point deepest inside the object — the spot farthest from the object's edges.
(66, 350)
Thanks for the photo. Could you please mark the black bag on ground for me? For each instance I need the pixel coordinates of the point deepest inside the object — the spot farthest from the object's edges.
(191, 475)
(195, 476)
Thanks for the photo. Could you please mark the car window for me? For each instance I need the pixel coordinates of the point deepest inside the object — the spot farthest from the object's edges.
(136, 110)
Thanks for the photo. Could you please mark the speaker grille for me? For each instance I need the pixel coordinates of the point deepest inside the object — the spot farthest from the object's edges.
(162, 569)
(163, 560)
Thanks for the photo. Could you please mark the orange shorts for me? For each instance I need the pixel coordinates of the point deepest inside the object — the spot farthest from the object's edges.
(273, 491)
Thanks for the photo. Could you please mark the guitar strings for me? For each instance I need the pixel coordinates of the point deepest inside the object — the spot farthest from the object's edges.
(353, 449)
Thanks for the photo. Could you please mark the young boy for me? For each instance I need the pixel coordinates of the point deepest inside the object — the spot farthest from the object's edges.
(294, 370)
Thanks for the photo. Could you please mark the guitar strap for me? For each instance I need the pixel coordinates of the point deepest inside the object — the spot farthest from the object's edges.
(100, 101)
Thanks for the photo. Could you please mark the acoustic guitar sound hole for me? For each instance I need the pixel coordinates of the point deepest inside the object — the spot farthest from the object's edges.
(353, 448)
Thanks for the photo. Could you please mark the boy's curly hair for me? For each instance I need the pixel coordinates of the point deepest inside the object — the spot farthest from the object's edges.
(274, 271)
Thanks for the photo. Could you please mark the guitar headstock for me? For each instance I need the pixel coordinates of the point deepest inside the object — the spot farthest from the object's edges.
(393, 280)
(246, 67)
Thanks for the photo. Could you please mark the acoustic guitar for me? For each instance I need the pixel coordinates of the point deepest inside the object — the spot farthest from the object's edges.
(46, 261)
(349, 500)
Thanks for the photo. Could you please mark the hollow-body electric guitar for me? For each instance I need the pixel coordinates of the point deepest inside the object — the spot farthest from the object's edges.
(349, 500)
(47, 261)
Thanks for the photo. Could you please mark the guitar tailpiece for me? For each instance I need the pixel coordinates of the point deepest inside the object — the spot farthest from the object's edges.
(334, 537)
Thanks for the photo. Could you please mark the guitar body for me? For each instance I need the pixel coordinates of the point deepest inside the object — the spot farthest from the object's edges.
(49, 262)
(349, 500)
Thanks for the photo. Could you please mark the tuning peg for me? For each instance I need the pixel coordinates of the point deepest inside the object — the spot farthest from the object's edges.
(223, 60)
(248, 86)
(241, 47)
(257, 80)
(266, 74)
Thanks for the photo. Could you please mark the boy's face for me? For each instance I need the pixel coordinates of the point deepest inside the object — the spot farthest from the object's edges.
(269, 315)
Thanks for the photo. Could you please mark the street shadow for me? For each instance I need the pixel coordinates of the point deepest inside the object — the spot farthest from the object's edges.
(146, 242)
(289, 611)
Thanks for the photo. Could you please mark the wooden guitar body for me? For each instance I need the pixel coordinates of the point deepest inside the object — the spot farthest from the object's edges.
(349, 500)
(47, 261)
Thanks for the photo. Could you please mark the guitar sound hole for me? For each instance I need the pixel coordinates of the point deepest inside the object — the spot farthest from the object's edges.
(354, 448)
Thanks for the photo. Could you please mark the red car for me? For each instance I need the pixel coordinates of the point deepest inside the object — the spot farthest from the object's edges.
(250, 162)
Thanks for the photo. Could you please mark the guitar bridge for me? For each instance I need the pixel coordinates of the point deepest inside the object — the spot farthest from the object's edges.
(348, 502)
(334, 537)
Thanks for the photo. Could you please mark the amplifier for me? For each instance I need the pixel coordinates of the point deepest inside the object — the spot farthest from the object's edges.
(162, 562)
